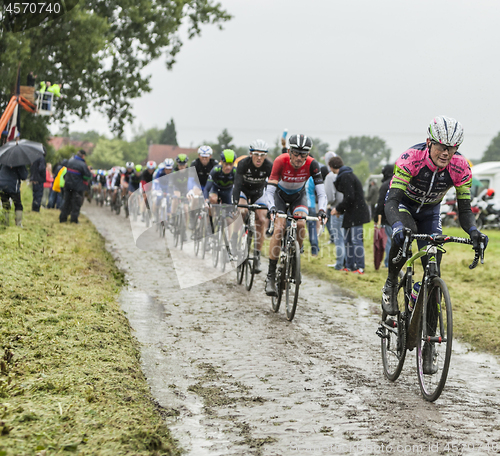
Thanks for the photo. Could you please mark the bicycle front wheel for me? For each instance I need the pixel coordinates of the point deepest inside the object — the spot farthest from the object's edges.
(292, 280)
(393, 337)
(280, 286)
(250, 267)
(435, 342)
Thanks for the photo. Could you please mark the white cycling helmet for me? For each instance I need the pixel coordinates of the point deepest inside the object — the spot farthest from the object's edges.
(169, 163)
(151, 164)
(205, 151)
(259, 145)
(129, 165)
(446, 130)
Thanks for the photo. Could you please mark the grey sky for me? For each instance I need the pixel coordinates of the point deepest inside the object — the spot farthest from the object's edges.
(331, 69)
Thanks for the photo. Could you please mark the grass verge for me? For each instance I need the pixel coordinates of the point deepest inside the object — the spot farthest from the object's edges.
(474, 293)
(70, 376)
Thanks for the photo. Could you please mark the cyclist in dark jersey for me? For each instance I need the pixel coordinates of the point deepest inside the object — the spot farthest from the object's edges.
(249, 186)
(287, 185)
(147, 178)
(134, 180)
(203, 165)
(221, 179)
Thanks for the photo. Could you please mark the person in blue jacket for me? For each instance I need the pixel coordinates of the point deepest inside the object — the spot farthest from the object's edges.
(312, 226)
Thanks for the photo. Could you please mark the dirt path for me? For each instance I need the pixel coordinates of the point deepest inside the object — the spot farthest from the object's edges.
(234, 378)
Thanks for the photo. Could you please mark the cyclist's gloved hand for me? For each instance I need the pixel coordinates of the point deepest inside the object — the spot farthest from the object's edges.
(477, 237)
(398, 235)
(322, 215)
(271, 213)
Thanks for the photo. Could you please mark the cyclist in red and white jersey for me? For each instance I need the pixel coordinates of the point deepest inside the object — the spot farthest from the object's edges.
(287, 185)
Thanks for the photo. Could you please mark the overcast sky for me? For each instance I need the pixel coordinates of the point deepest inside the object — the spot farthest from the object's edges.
(331, 69)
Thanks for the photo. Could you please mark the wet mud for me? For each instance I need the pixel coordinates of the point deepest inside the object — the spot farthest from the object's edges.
(234, 378)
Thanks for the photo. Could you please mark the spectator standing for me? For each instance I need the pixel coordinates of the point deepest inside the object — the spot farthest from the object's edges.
(372, 196)
(56, 193)
(379, 217)
(337, 232)
(75, 184)
(37, 179)
(312, 226)
(47, 186)
(355, 211)
(10, 188)
(325, 171)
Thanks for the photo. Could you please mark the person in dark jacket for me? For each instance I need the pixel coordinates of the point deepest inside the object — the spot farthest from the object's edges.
(355, 211)
(379, 217)
(10, 188)
(37, 179)
(76, 182)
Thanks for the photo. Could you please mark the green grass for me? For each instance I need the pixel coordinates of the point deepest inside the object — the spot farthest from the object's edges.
(474, 293)
(70, 377)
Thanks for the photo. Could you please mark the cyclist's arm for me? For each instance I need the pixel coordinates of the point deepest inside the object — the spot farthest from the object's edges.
(208, 187)
(465, 215)
(272, 185)
(391, 208)
(238, 181)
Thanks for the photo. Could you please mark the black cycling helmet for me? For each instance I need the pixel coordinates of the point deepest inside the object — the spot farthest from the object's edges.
(300, 142)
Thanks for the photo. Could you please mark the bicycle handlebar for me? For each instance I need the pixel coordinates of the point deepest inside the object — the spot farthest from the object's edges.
(438, 239)
(252, 207)
(298, 217)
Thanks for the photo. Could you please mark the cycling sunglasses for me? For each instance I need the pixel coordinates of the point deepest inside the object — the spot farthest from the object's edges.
(259, 154)
(296, 153)
(442, 147)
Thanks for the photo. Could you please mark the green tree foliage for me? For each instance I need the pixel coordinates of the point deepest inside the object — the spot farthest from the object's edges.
(362, 170)
(99, 50)
(107, 153)
(492, 153)
(88, 136)
(224, 141)
(319, 148)
(56, 156)
(371, 149)
(169, 135)
(151, 136)
(116, 152)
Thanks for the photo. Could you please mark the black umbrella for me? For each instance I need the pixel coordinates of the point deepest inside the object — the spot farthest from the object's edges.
(22, 152)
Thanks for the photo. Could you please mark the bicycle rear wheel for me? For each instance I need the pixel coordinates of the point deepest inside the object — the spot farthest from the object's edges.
(438, 332)
(177, 232)
(204, 236)
(292, 281)
(393, 337)
(215, 247)
(182, 228)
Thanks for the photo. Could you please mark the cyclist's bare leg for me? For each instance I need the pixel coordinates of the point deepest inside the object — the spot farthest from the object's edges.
(243, 211)
(275, 243)
(260, 228)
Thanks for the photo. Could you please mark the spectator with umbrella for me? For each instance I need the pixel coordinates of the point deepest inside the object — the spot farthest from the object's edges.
(14, 156)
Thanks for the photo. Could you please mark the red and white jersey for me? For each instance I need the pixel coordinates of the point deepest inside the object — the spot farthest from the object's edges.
(291, 180)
